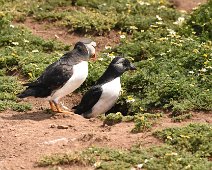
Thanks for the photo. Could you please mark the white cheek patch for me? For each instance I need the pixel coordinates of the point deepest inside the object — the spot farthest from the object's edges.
(91, 49)
(93, 44)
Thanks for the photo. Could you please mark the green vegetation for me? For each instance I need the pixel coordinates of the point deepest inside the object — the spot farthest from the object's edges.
(182, 117)
(171, 50)
(21, 53)
(186, 140)
(195, 138)
(144, 122)
(113, 118)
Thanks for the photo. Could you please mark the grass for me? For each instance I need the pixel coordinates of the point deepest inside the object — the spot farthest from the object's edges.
(182, 117)
(21, 53)
(172, 56)
(195, 139)
(176, 154)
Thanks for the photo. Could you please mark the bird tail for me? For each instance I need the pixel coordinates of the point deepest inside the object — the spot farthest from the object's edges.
(76, 110)
(36, 92)
(26, 93)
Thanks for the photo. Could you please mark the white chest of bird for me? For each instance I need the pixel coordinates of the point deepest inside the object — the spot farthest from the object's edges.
(110, 94)
(80, 73)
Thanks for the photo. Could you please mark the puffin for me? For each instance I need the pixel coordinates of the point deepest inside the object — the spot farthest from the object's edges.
(103, 95)
(63, 76)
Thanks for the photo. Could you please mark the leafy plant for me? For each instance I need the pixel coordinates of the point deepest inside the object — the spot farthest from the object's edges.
(194, 138)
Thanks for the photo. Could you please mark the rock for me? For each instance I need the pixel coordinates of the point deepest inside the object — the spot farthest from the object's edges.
(52, 126)
(62, 127)
(61, 141)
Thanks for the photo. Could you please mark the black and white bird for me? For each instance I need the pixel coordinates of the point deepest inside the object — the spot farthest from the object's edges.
(63, 76)
(104, 94)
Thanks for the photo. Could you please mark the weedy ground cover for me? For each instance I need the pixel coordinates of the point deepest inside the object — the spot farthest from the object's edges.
(176, 154)
(171, 50)
(21, 53)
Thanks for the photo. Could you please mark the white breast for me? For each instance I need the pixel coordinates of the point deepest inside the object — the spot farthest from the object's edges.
(80, 73)
(110, 94)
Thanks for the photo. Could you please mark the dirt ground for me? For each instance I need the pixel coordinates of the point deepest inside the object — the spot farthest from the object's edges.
(26, 137)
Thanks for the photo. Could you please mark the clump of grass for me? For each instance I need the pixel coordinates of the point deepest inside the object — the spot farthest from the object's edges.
(182, 117)
(144, 122)
(113, 118)
(195, 138)
(9, 87)
(62, 159)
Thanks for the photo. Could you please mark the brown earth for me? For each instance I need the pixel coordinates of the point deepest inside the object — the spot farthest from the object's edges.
(26, 137)
(187, 5)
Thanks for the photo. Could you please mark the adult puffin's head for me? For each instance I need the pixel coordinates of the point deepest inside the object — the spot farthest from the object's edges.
(86, 47)
(121, 65)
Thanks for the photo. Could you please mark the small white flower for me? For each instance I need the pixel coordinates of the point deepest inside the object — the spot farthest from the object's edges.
(35, 51)
(179, 21)
(26, 41)
(210, 67)
(12, 26)
(191, 72)
(159, 18)
(161, 7)
(159, 23)
(100, 59)
(139, 166)
(133, 28)
(108, 47)
(111, 55)
(122, 36)
(171, 32)
(162, 54)
(203, 70)
(141, 2)
(15, 43)
(130, 99)
(146, 160)
(97, 164)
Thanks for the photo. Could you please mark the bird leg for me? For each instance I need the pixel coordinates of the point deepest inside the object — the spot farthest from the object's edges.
(60, 110)
(52, 106)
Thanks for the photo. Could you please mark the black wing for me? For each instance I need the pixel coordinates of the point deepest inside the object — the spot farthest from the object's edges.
(89, 99)
(56, 74)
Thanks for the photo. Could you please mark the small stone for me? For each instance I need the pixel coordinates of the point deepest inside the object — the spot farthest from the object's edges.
(62, 127)
(52, 126)
(92, 120)
(22, 167)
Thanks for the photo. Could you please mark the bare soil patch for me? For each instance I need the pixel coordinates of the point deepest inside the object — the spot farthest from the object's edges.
(187, 5)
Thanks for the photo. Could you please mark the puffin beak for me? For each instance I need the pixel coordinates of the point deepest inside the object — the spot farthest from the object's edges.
(93, 57)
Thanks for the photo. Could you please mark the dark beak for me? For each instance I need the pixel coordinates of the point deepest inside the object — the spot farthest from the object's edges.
(93, 57)
(132, 67)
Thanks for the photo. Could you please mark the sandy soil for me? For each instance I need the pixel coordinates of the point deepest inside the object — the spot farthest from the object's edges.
(26, 137)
